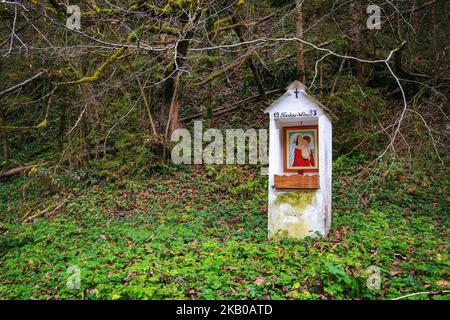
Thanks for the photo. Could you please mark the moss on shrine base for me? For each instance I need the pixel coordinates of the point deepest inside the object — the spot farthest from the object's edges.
(293, 230)
(298, 200)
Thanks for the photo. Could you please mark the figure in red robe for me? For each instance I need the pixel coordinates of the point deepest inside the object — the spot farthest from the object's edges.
(303, 156)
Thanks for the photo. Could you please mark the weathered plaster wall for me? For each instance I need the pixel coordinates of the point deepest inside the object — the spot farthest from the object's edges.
(292, 213)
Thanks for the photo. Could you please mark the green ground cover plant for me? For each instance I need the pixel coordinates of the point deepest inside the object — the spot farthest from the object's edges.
(187, 234)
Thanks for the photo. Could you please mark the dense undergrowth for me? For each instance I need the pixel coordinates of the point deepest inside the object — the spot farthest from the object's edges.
(201, 233)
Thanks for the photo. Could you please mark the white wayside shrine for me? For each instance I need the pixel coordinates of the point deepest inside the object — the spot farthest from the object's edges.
(299, 165)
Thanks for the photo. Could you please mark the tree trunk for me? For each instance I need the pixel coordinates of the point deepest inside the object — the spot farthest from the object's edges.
(172, 88)
(434, 28)
(84, 131)
(168, 118)
(299, 45)
(4, 137)
(62, 124)
(240, 30)
(151, 128)
(173, 122)
(356, 36)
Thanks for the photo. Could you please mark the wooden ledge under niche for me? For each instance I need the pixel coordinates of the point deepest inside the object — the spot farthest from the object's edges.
(296, 182)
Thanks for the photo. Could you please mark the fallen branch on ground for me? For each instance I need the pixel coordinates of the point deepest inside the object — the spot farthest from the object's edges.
(424, 292)
(236, 64)
(220, 111)
(52, 207)
(16, 171)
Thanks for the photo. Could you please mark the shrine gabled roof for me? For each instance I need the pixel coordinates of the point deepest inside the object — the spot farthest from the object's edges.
(301, 89)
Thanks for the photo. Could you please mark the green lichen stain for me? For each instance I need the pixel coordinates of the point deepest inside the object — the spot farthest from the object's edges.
(298, 200)
(297, 230)
(291, 230)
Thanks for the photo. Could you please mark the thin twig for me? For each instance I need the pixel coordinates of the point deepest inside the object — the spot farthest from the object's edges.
(423, 292)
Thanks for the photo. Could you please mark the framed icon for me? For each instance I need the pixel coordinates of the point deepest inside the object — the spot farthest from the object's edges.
(301, 149)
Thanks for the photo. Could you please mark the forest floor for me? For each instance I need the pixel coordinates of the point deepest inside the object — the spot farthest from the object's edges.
(201, 233)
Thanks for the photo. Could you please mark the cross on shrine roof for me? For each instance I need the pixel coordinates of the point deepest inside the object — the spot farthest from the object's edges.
(298, 89)
(296, 85)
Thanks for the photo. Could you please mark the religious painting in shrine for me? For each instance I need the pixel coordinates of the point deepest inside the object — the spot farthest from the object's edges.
(300, 149)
